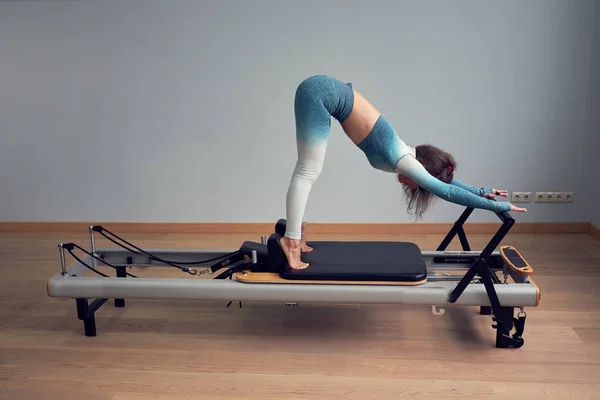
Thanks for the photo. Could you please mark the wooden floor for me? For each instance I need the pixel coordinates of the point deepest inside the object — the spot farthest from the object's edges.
(163, 350)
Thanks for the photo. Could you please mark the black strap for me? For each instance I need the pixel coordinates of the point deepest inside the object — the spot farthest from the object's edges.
(231, 260)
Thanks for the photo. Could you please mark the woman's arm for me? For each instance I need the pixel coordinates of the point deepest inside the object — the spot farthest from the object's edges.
(414, 170)
(472, 189)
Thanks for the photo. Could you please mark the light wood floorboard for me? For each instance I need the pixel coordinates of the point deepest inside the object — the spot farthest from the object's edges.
(183, 350)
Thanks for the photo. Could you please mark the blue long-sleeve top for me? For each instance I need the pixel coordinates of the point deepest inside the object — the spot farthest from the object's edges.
(387, 152)
(456, 192)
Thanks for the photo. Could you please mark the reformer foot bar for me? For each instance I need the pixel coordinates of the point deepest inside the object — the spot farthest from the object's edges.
(339, 272)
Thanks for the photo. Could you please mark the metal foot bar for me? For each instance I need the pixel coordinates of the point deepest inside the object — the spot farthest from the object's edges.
(458, 229)
(480, 266)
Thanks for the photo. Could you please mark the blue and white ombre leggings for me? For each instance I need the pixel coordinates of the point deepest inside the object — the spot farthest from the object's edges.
(321, 97)
(317, 99)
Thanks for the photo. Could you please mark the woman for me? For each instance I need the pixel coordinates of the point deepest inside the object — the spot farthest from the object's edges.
(423, 171)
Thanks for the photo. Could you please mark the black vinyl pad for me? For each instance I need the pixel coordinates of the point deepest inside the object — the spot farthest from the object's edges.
(515, 258)
(361, 261)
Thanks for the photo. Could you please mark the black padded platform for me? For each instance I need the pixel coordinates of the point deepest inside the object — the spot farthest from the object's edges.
(360, 261)
(515, 258)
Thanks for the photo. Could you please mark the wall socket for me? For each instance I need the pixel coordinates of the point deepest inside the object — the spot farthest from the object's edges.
(553, 197)
(521, 197)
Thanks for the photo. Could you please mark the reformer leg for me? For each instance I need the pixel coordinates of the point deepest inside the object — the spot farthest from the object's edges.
(503, 316)
(121, 273)
(83, 313)
(505, 322)
(86, 313)
(503, 326)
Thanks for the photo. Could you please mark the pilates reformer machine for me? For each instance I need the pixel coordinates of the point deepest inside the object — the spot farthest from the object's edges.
(496, 279)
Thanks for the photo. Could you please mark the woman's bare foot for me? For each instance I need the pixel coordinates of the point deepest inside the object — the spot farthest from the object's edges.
(292, 250)
(303, 246)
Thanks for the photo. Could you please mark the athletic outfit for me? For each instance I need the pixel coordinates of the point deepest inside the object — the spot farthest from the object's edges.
(321, 97)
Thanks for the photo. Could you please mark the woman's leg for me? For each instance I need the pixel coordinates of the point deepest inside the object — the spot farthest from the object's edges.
(303, 246)
(313, 124)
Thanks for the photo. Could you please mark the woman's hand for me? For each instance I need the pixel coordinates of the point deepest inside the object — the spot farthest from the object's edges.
(504, 193)
(496, 192)
(517, 209)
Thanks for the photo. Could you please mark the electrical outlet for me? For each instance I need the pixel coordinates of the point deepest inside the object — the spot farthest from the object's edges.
(553, 197)
(521, 197)
(564, 197)
(544, 197)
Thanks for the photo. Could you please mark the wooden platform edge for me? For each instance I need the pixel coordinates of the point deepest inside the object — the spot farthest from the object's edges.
(272, 277)
(594, 231)
(265, 228)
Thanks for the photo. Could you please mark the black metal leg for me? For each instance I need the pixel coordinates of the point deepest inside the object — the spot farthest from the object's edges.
(89, 321)
(86, 313)
(505, 322)
(89, 326)
(121, 273)
(504, 325)
(485, 310)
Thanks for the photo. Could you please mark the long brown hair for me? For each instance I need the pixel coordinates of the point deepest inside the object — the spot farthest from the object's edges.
(439, 164)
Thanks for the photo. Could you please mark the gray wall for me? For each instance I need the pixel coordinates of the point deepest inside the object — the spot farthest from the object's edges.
(592, 168)
(147, 110)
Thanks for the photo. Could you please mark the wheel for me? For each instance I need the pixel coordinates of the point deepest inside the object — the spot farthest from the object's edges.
(518, 342)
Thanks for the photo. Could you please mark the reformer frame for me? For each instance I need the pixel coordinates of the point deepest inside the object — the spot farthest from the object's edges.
(461, 278)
